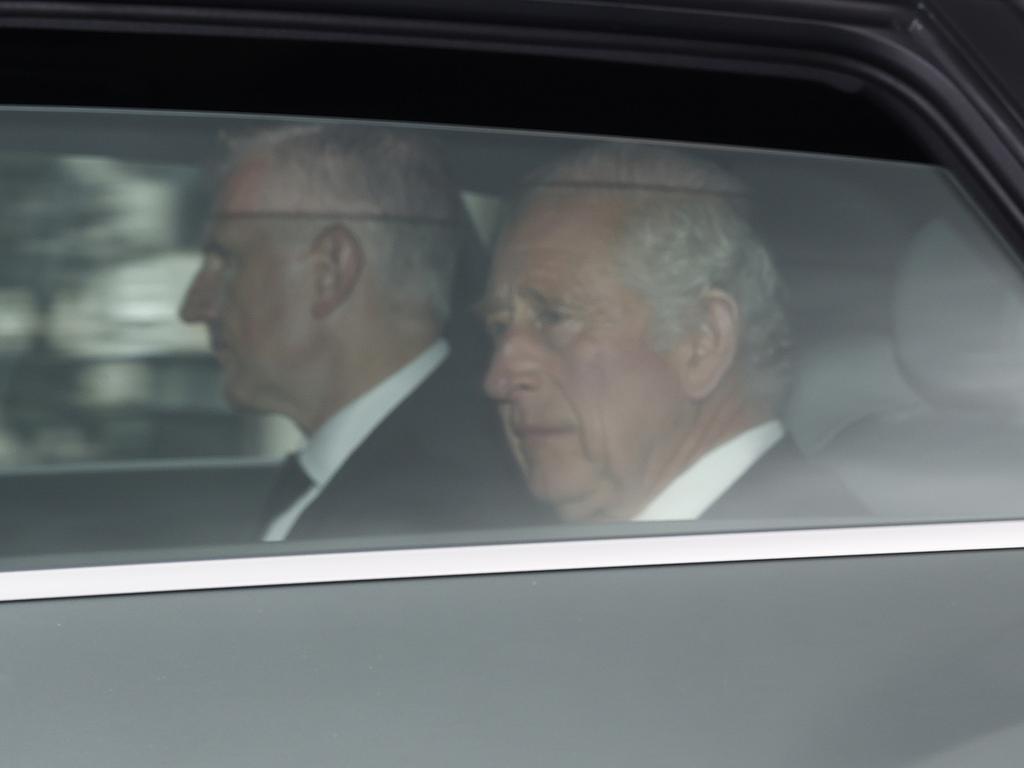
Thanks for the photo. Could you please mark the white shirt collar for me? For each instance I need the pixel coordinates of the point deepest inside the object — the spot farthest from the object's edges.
(331, 445)
(693, 492)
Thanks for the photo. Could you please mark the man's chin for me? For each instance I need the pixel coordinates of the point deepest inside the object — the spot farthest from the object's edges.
(237, 399)
(574, 503)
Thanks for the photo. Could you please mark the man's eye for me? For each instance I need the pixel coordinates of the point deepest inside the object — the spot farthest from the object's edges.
(549, 316)
(227, 264)
(496, 327)
(214, 261)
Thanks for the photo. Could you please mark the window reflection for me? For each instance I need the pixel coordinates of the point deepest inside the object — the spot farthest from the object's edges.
(94, 363)
(900, 379)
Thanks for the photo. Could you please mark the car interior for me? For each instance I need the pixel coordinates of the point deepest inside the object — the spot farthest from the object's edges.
(904, 305)
(881, 145)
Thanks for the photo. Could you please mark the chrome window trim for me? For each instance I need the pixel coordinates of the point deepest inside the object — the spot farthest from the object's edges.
(340, 567)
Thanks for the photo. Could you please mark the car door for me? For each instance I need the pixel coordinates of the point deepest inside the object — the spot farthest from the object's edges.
(138, 629)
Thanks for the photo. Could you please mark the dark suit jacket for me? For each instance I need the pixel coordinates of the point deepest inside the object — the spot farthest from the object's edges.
(438, 462)
(783, 485)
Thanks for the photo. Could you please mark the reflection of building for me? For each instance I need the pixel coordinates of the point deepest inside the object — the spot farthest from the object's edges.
(126, 309)
(94, 363)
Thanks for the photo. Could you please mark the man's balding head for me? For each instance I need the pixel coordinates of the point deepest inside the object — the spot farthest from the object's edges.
(329, 260)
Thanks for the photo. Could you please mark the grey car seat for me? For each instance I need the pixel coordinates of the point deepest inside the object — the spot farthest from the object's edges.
(927, 422)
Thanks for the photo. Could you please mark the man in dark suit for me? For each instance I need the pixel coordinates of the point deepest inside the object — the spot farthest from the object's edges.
(640, 347)
(325, 286)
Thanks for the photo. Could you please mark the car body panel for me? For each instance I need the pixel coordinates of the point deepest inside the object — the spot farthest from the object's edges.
(865, 658)
(839, 662)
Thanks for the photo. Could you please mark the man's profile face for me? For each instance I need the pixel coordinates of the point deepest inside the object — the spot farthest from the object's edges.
(593, 412)
(249, 292)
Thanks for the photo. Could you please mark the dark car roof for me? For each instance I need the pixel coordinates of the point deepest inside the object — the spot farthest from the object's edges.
(508, 10)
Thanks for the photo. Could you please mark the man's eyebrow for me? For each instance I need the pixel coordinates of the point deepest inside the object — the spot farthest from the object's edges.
(488, 305)
(340, 215)
(536, 298)
(222, 248)
(485, 306)
(214, 247)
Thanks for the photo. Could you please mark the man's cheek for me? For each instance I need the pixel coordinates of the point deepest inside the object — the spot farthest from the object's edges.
(623, 394)
(514, 445)
(590, 385)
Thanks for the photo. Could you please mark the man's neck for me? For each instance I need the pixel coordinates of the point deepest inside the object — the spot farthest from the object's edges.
(717, 421)
(352, 371)
(701, 485)
(331, 444)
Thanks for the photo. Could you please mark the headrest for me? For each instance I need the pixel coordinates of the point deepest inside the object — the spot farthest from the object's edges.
(842, 383)
(958, 320)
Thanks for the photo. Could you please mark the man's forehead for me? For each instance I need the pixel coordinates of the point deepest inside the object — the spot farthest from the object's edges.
(252, 202)
(557, 244)
(554, 211)
(258, 188)
(552, 230)
(252, 187)
(244, 188)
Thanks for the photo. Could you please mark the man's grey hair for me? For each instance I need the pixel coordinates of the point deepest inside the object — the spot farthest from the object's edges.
(387, 186)
(685, 232)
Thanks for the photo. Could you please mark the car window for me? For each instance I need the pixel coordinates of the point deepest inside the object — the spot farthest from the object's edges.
(98, 366)
(296, 333)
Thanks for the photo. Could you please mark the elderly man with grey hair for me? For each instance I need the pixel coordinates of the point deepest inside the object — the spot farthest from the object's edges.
(325, 288)
(641, 350)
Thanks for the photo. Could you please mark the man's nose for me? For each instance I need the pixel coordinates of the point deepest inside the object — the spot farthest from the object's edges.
(201, 300)
(515, 367)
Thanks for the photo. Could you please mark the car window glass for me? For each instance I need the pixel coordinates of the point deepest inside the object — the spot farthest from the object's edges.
(257, 333)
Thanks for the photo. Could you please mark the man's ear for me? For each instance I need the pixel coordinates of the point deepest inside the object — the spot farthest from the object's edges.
(707, 352)
(337, 261)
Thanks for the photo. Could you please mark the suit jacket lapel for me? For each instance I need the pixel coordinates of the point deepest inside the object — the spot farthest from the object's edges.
(385, 454)
(783, 485)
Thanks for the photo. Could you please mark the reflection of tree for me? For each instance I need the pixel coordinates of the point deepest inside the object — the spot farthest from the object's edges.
(106, 369)
(66, 216)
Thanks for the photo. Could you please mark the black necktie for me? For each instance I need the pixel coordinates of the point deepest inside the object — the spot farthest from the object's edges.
(289, 484)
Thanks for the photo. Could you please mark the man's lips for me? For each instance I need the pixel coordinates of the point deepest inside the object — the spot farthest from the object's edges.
(533, 433)
(217, 345)
(526, 427)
